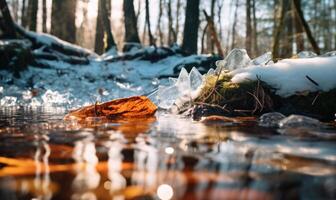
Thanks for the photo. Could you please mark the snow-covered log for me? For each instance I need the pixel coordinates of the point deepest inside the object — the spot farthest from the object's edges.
(15, 55)
(152, 54)
(53, 44)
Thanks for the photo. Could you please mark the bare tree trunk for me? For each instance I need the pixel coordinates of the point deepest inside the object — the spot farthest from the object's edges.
(131, 31)
(177, 24)
(158, 26)
(44, 16)
(171, 33)
(6, 21)
(229, 34)
(248, 39)
(203, 38)
(219, 17)
(233, 41)
(287, 48)
(15, 6)
(277, 32)
(190, 34)
(110, 42)
(151, 38)
(210, 45)
(137, 14)
(32, 12)
(297, 6)
(255, 30)
(335, 25)
(298, 33)
(214, 36)
(99, 41)
(24, 14)
(104, 38)
(63, 18)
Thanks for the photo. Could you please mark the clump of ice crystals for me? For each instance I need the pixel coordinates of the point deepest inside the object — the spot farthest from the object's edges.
(306, 54)
(8, 101)
(271, 119)
(54, 98)
(185, 88)
(263, 59)
(236, 59)
(299, 121)
(329, 54)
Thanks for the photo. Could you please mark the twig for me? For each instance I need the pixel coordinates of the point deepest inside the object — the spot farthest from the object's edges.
(314, 82)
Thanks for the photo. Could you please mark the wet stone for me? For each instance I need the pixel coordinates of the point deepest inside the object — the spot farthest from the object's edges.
(306, 54)
(300, 121)
(271, 119)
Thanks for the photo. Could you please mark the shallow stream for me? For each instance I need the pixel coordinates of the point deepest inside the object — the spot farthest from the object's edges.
(166, 157)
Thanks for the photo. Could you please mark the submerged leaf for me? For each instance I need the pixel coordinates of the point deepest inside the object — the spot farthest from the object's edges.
(132, 107)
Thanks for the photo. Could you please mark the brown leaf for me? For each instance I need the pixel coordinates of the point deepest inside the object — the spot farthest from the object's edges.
(118, 109)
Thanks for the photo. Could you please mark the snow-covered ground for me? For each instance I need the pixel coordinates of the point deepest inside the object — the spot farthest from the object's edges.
(77, 85)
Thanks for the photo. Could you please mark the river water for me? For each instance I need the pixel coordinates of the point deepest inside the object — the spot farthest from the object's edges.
(165, 157)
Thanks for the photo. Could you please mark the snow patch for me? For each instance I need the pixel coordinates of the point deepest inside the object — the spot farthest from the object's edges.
(290, 76)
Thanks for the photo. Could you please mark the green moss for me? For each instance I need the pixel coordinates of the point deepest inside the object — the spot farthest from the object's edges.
(249, 96)
(256, 97)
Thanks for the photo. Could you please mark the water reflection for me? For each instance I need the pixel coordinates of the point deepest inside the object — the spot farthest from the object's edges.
(170, 158)
(87, 178)
(42, 178)
(165, 192)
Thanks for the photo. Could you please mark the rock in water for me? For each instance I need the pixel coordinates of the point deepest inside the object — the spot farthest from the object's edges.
(306, 54)
(329, 54)
(132, 107)
(299, 121)
(271, 119)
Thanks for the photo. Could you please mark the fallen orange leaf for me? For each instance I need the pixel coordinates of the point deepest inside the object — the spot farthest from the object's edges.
(131, 107)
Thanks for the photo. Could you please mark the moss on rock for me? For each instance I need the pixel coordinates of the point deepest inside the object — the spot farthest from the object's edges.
(257, 97)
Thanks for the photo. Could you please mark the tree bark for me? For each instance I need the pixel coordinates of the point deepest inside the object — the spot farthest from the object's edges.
(151, 38)
(233, 41)
(63, 18)
(214, 36)
(210, 45)
(297, 6)
(15, 7)
(287, 47)
(6, 21)
(104, 38)
(177, 18)
(219, 17)
(158, 26)
(190, 34)
(107, 25)
(171, 33)
(335, 24)
(99, 41)
(298, 33)
(277, 32)
(24, 14)
(44, 16)
(131, 32)
(248, 39)
(32, 12)
(255, 30)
